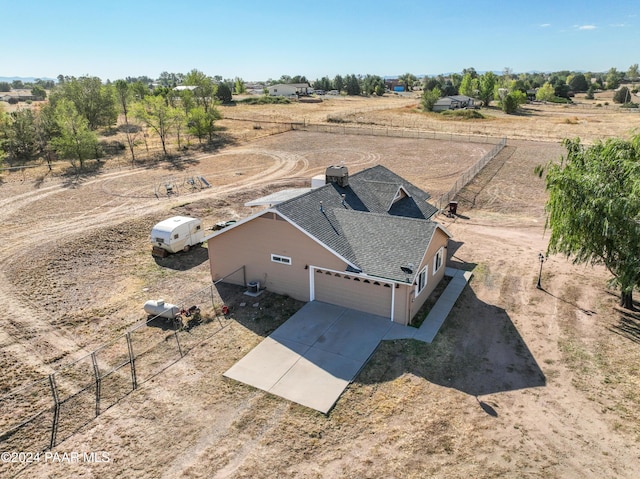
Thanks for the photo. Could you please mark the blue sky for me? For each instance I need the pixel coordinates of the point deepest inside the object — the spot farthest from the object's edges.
(257, 40)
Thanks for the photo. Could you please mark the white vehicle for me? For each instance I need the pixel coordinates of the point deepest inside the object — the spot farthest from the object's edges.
(178, 233)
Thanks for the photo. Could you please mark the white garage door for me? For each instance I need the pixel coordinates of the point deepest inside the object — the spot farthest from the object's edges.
(343, 289)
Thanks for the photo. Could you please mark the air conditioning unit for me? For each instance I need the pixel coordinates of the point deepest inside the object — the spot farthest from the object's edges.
(253, 287)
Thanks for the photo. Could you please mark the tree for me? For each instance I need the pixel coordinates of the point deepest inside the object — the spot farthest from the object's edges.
(93, 100)
(408, 79)
(613, 78)
(487, 85)
(156, 114)
(123, 97)
(205, 93)
(512, 101)
(373, 84)
(21, 143)
(223, 93)
(201, 123)
(469, 86)
(578, 83)
(561, 89)
(429, 98)
(5, 86)
(239, 86)
(632, 72)
(39, 92)
(352, 85)
(594, 208)
(17, 85)
(322, 84)
(622, 95)
(338, 83)
(545, 93)
(76, 142)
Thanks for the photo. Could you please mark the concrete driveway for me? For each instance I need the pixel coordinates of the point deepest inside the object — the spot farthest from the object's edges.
(313, 356)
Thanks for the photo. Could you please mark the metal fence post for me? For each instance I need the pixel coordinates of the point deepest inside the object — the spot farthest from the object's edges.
(56, 410)
(96, 373)
(132, 360)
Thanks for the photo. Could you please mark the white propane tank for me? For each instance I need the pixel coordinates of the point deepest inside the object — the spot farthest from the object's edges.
(160, 308)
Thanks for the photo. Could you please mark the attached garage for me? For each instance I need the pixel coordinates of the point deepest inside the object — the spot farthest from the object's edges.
(352, 291)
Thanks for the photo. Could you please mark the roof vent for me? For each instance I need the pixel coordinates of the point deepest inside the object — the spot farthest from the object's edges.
(338, 175)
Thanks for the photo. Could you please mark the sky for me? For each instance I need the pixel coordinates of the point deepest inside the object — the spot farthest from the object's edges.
(260, 40)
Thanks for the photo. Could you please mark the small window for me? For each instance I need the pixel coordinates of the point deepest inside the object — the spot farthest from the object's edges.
(438, 259)
(421, 281)
(175, 236)
(198, 227)
(280, 259)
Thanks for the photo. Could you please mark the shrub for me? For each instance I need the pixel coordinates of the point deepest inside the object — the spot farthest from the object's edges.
(463, 114)
(265, 100)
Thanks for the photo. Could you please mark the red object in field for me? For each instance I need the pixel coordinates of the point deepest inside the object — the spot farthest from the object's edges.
(225, 309)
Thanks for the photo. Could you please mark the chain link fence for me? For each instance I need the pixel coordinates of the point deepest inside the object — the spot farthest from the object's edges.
(469, 174)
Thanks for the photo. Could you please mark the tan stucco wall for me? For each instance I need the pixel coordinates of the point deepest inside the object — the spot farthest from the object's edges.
(251, 244)
(440, 239)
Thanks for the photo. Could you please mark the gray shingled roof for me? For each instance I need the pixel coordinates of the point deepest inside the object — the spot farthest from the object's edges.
(362, 228)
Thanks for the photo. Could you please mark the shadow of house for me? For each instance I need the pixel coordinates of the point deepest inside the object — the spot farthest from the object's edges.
(184, 261)
(478, 351)
(454, 261)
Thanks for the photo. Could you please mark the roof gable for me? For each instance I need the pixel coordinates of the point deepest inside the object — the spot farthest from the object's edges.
(378, 221)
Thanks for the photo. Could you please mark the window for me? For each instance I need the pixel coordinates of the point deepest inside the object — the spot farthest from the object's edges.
(437, 260)
(421, 281)
(280, 259)
(176, 236)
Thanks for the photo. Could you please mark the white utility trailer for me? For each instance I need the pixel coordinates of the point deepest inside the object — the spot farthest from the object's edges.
(178, 233)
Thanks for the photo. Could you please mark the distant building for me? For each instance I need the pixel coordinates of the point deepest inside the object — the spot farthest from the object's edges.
(454, 102)
(290, 89)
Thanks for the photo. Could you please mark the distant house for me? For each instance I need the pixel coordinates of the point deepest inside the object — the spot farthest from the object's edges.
(365, 242)
(453, 102)
(20, 95)
(290, 89)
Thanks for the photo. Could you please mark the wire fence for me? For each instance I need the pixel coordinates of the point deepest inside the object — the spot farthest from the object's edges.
(469, 174)
(42, 414)
(395, 132)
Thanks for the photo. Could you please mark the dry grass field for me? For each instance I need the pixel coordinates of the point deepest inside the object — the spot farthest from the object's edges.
(520, 382)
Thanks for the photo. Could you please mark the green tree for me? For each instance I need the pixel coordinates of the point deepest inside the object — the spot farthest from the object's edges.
(488, 83)
(93, 100)
(123, 97)
(20, 133)
(205, 93)
(239, 86)
(373, 84)
(622, 95)
(578, 83)
(76, 142)
(594, 208)
(156, 114)
(17, 85)
(632, 73)
(5, 86)
(352, 85)
(430, 97)
(469, 85)
(201, 123)
(140, 90)
(512, 101)
(408, 79)
(338, 83)
(322, 84)
(39, 92)
(545, 93)
(613, 78)
(223, 93)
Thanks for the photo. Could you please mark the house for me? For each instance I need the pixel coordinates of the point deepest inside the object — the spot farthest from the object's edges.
(365, 241)
(290, 89)
(453, 102)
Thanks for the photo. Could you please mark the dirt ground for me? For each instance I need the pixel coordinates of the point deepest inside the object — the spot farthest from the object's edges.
(520, 382)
